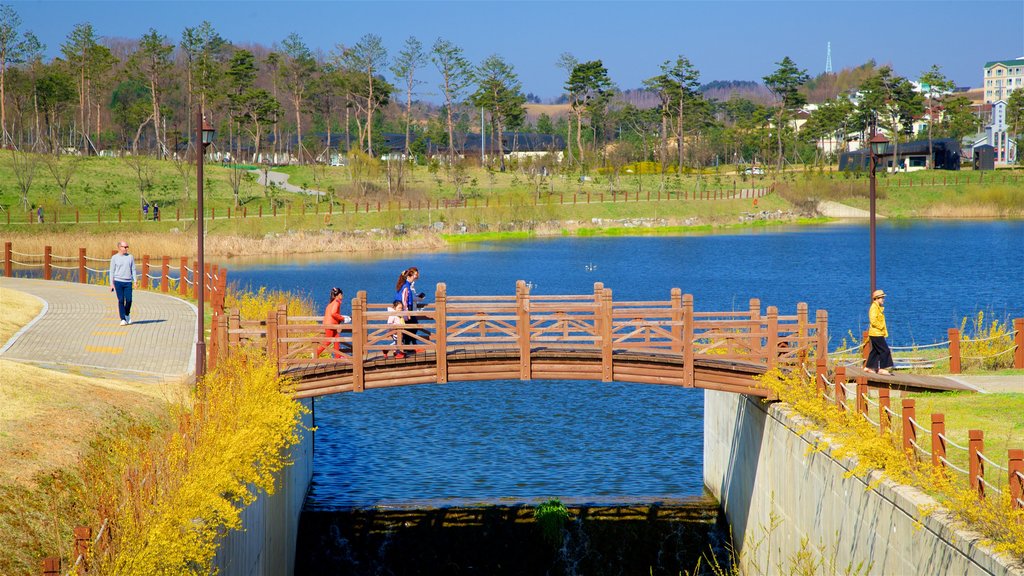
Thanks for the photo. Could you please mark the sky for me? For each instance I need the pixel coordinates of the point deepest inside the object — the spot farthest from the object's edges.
(725, 40)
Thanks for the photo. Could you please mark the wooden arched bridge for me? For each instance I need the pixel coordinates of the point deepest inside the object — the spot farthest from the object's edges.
(528, 336)
(556, 337)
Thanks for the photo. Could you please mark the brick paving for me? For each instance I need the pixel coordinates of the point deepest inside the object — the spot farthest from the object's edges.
(78, 330)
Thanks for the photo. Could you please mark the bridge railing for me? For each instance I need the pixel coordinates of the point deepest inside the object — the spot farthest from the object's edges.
(527, 323)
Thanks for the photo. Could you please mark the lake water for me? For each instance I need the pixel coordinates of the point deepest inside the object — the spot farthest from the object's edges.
(589, 441)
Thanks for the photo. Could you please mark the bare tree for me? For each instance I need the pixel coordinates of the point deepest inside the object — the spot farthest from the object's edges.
(296, 70)
(367, 57)
(24, 165)
(410, 59)
(144, 168)
(62, 168)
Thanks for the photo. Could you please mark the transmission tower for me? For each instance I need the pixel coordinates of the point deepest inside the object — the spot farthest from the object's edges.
(828, 59)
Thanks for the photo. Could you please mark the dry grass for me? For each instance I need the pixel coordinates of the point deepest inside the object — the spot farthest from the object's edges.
(48, 418)
(184, 244)
(19, 309)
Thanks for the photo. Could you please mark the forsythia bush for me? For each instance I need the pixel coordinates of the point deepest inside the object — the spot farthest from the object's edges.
(994, 518)
(989, 347)
(256, 305)
(184, 488)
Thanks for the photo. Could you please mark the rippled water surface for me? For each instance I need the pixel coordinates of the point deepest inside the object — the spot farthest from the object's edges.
(487, 441)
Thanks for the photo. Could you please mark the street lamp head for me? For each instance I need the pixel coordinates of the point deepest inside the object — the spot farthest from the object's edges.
(208, 133)
(878, 144)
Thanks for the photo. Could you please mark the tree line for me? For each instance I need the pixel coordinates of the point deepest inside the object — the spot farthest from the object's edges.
(290, 101)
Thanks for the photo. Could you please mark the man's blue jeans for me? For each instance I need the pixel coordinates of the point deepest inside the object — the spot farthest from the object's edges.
(124, 298)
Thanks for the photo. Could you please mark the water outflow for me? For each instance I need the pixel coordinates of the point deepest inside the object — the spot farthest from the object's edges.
(665, 538)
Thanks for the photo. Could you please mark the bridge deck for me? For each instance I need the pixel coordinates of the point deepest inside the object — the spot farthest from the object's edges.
(909, 382)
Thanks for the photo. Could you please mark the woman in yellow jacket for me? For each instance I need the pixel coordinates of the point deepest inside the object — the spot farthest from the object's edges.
(880, 357)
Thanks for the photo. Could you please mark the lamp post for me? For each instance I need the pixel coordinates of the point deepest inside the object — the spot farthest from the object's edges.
(204, 135)
(877, 145)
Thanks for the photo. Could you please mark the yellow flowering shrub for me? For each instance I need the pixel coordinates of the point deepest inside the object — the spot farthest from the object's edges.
(853, 436)
(176, 492)
(987, 346)
(256, 305)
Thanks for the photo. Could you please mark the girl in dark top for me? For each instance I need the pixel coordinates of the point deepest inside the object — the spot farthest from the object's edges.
(405, 291)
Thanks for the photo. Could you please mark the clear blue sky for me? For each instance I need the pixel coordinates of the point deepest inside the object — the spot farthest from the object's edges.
(725, 40)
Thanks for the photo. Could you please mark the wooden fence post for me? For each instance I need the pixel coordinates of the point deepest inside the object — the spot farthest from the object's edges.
(838, 389)
(689, 372)
(598, 291)
(183, 276)
(165, 273)
(976, 466)
(773, 337)
(47, 263)
(358, 338)
(1018, 340)
(1015, 465)
(222, 334)
(441, 331)
(755, 324)
(938, 441)
(676, 300)
(82, 277)
(83, 537)
(145, 271)
(234, 324)
(197, 277)
(283, 347)
(883, 410)
(607, 328)
(9, 263)
(909, 432)
(862, 392)
(523, 329)
(954, 351)
(51, 566)
(865, 347)
(212, 351)
(821, 327)
(820, 373)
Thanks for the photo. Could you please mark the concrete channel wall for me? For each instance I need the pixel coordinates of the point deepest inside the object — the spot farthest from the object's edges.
(759, 463)
(266, 544)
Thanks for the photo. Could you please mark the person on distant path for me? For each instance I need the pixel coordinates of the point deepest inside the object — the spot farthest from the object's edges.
(156, 212)
(122, 277)
(880, 357)
(405, 292)
(333, 315)
(39, 214)
(397, 321)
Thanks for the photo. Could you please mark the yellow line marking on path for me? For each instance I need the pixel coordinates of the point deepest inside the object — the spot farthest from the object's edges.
(105, 349)
(117, 333)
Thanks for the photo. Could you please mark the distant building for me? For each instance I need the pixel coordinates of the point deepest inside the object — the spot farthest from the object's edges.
(912, 156)
(997, 137)
(1001, 78)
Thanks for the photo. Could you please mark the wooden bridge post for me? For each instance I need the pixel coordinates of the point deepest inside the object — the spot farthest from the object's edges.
(283, 347)
(1018, 340)
(884, 405)
(9, 262)
(975, 448)
(222, 334)
(865, 347)
(47, 263)
(821, 327)
(755, 324)
(272, 338)
(523, 328)
(441, 332)
(909, 432)
(689, 376)
(954, 351)
(182, 276)
(598, 291)
(801, 331)
(938, 441)
(1015, 465)
(773, 337)
(82, 277)
(606, 335)
(837, 387)
(234, 324)
(676, 299)
(358, 340)
(83, 536)
(862, 393)
(165, 273)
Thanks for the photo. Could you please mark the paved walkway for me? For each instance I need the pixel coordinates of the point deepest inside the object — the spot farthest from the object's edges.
(280, 179)
(78, 329)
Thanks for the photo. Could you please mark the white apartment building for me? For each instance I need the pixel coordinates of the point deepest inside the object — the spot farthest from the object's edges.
(1002, 77)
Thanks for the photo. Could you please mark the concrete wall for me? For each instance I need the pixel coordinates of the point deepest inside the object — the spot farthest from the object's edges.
(266, 544)
(758, 464)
